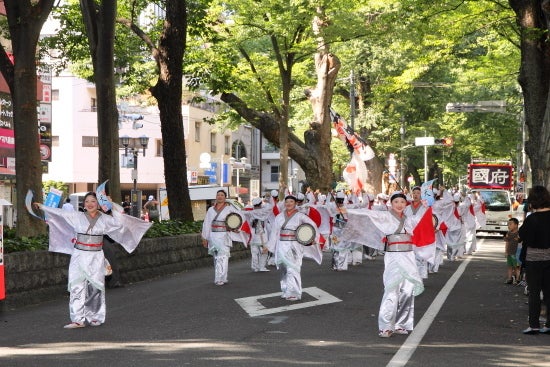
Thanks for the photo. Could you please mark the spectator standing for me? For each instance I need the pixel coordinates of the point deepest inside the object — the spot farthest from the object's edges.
(126, 205)
(68, 206)
(511, 238)
(151, 209)
(535, 254)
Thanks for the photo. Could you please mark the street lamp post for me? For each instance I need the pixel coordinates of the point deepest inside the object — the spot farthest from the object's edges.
(238, 166)
(291, 179)
(132, 146)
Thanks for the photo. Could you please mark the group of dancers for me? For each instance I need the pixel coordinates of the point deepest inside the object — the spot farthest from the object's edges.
(412, 236)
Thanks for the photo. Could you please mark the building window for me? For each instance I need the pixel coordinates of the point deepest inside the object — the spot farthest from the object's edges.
(239, 150)
(213, 142)
(197, 131)
(158, 148)
(90, 141)
(274, 173)
(227, 145)
(93, 104)
(269, 147)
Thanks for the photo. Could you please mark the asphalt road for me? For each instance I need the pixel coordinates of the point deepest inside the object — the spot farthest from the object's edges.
(467, 316)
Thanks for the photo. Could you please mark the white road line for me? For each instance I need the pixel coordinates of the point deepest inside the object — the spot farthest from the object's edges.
(415, 338)
(253, 306)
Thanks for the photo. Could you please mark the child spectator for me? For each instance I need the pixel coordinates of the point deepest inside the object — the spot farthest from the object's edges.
(512, 240)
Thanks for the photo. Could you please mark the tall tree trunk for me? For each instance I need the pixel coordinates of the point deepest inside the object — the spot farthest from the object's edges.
(100, 28)
(28, 166)
(319, 135)
(25, 21)
(168, 93)
(534, 78)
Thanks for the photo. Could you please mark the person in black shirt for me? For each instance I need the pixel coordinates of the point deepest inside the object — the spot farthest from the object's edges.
(535, 254)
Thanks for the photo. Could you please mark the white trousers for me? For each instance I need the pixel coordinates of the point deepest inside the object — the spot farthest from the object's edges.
(357, 255)
(471, 241)
(87, 286)
(401, 283)
(289, 257)
(259, 259)
(341, 259)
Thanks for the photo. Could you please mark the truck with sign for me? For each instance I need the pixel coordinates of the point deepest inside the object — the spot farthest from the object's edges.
(493, 182)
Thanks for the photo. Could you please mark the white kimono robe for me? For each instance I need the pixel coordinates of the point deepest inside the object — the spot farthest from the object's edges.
(87, 268)
(341, 249)
(258, 243)
(401, 278)
(219, 239)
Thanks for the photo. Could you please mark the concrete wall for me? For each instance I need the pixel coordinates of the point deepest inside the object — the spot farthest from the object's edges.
(37, 276)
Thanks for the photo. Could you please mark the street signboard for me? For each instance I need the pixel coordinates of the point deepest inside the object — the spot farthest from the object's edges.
(424, 140)
(490, 176)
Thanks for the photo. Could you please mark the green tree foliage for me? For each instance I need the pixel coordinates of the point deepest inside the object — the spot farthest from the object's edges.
(417, 58)
(259, 57)
(149, 49)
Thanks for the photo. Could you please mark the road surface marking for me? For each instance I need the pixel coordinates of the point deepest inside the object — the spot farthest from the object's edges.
(415, 338)
(254, 308)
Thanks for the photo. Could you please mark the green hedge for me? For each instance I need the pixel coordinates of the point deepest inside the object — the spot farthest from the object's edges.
(158, 229)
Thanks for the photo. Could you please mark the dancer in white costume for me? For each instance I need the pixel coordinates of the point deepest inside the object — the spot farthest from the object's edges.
(341, 250)
(456, 234)
(288, 252)
(80, 234)
(276, 208)
(401, 279)
(416, 209)
(257, 217)
(477, 211)
(443, 208)
(217, 238)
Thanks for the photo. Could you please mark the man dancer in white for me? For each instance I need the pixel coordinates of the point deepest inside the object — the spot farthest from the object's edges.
(341, 252)
(217, 238)
(443, 208)
(257, 217)
(470, 225)
(456, 232)
(276, 208)
(288, 251)
(401, 279)
(479, 221)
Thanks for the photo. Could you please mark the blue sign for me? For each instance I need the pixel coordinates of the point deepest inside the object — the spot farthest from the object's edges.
(53, 198)
(226, 169)
(212, 173)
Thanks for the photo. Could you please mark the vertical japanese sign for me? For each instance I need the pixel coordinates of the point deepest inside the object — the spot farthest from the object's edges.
(7, 139)
(2, 278)
(45, 113)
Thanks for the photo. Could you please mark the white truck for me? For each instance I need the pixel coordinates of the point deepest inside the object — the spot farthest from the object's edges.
(498, 210)
(493, 182)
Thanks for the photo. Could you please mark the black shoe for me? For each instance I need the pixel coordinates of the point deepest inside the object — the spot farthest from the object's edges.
(115, 285)
(531, 331)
